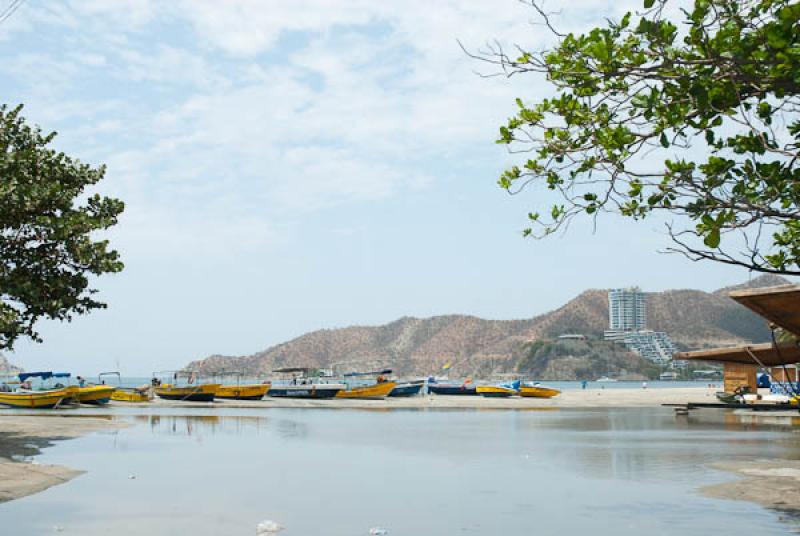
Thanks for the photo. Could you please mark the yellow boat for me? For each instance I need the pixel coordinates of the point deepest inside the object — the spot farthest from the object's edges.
(125, 394)
(252, 391)
(34, 399)
(95, 394)
(495, 391)
(134, 394)
(190, 393)
(377, 391)
(538, 391)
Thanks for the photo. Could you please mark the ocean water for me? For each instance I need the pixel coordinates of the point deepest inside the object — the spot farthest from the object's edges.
(414, 472)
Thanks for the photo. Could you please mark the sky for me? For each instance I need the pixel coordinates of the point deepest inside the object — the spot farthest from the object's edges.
(292, 166)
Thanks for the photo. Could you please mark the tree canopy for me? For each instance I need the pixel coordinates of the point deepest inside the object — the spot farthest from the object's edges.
(48, 222)
(693, 115)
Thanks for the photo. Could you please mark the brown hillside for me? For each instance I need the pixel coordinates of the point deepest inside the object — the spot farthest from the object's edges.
(475, 346)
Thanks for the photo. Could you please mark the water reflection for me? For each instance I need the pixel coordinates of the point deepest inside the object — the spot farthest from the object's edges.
(443, 473)
(201, 425)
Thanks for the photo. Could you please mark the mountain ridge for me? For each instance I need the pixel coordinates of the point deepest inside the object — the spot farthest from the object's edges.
(420, 346)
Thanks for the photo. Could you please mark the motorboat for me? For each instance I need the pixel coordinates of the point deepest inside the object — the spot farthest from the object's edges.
(186, 387)
(467, 388)
(305, 383)
(143, 393)
(537, 390)
(410, 388)
(238, 390)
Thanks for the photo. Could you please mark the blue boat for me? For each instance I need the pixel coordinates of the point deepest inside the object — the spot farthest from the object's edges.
(407, 388)
(460, 389)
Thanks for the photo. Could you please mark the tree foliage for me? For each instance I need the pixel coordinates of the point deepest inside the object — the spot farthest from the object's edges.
(48, 250)
(694, 115)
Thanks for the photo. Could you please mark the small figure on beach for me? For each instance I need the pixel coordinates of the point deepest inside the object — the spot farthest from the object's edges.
(644, 385)
(584, 383)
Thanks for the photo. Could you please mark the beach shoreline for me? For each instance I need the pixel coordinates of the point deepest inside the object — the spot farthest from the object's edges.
(773, 483)
(23, 436)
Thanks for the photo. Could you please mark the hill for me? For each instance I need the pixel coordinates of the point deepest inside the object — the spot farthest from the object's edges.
(576, 359)
(475, 346)
(8, 368)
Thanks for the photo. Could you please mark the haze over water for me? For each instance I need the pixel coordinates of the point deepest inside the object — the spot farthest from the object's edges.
(341, 472)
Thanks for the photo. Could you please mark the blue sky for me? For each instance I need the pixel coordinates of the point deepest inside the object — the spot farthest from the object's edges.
(290, 166)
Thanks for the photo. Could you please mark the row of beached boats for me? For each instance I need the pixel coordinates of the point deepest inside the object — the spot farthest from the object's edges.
(54, 389)
(497, 390)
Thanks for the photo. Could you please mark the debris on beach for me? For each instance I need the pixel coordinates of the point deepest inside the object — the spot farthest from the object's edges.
(268, 527)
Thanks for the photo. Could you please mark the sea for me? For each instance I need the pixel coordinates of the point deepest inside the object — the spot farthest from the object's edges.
(343, 472)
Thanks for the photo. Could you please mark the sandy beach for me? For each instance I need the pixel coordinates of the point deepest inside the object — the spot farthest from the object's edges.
(771, 483)
(22, 436)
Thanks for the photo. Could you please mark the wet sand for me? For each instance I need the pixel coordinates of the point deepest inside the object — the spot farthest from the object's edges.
(774, 484)
(22, 436)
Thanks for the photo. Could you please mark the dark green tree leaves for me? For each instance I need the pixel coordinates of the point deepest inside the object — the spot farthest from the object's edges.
(698, 118)
(48, 226)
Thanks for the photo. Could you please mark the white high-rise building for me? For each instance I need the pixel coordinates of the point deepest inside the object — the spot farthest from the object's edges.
(627, 322)
(627, 309)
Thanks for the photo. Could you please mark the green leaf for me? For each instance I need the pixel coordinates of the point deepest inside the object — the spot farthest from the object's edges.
(712, 239)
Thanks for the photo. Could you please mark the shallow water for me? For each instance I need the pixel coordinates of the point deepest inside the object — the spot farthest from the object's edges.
(414, 472)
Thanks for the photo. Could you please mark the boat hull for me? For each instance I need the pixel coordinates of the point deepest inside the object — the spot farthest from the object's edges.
(407, 389)
(495, 391)
(538, 392)
(373, 392)
(254, 391)
(195, 393)
(131, 395)
(34, 399)
(453, 390)
(95, 394)
(305, 391)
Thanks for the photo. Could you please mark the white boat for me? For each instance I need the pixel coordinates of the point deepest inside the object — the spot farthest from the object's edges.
(605, 379)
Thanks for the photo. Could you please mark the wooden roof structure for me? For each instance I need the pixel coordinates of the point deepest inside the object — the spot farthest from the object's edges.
(778, 305)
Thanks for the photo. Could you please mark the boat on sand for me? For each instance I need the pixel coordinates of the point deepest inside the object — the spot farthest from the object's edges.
(186, 387)
(406, 389)
(95, 394)
(467, 388)
(376, 391)
(49, 399)
(306, 383)
(238, 390)
(500, 390)
(537, 391)
(126, 394)
(495, 391)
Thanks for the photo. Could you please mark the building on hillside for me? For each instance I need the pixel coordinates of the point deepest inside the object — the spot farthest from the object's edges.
(572, 337)
(627, 309)
(627, 322)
